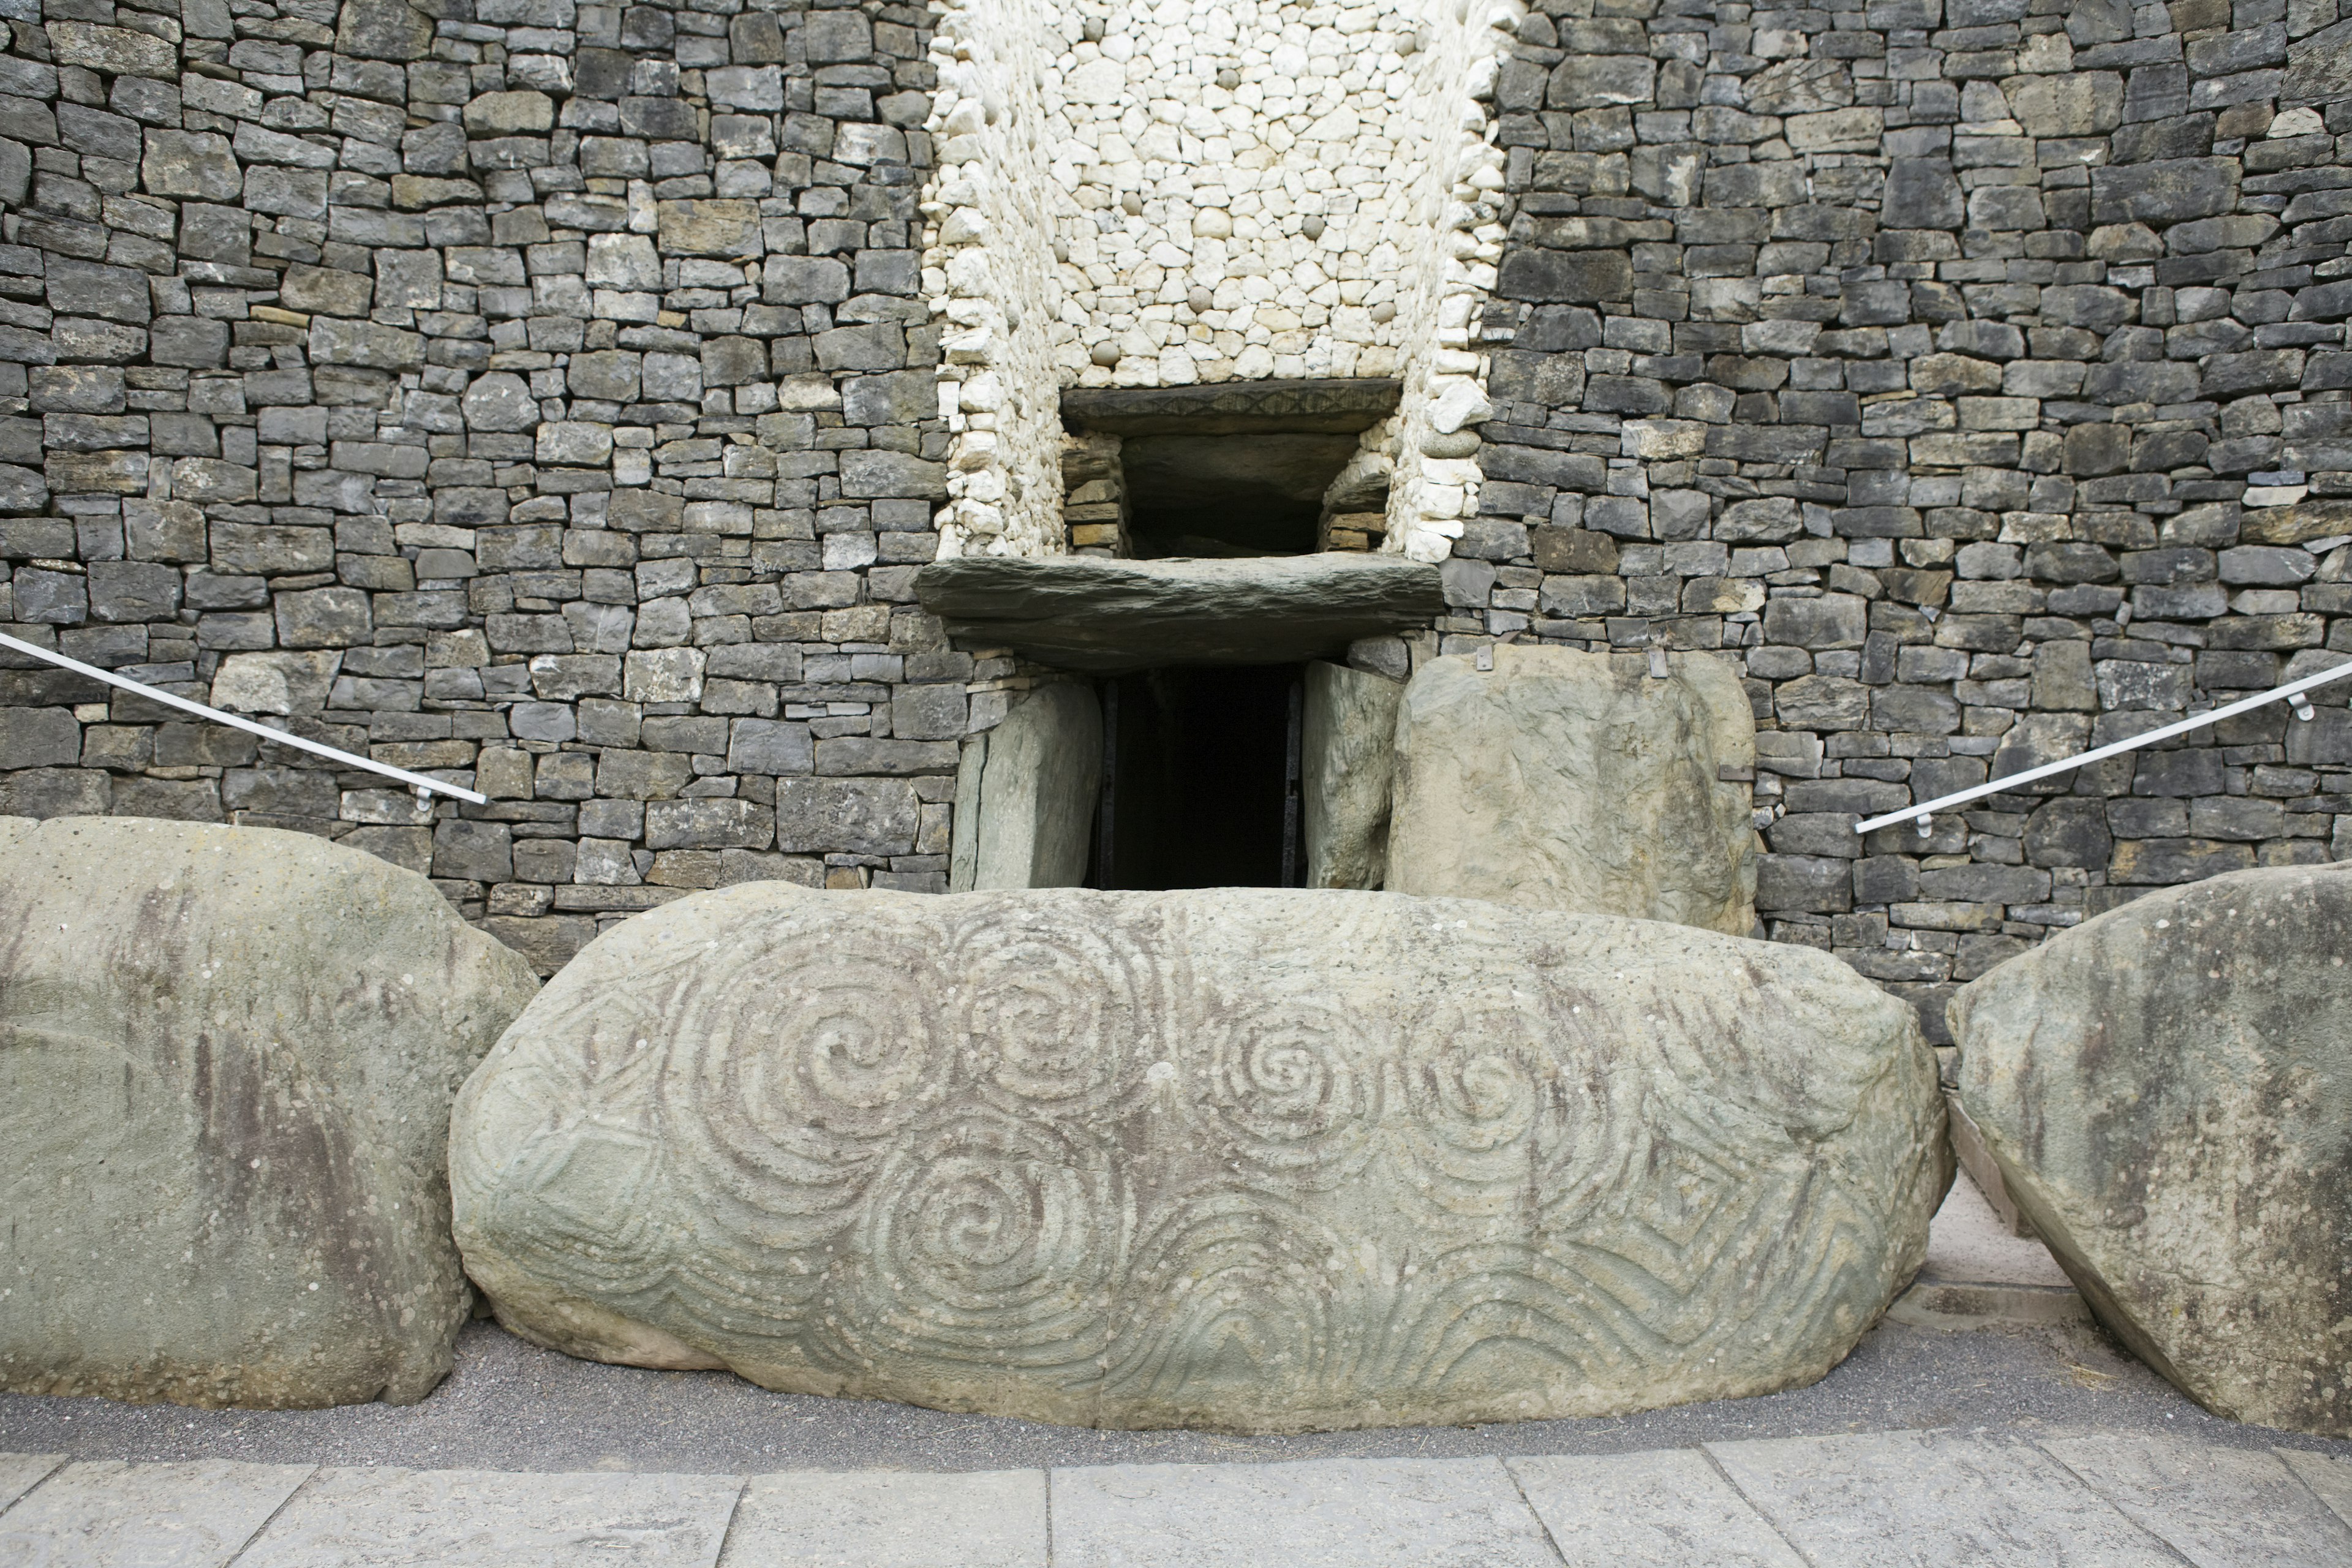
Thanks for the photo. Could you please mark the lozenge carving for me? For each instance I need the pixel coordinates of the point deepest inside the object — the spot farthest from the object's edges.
(1243, 1158)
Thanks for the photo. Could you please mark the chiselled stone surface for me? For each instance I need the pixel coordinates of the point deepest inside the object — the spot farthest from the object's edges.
(1577, 781)
(107, 1514)
(1346, 765)
(226, 1057)
(2168, 1093)
(362, 1517)
(1106, 616)
(1246, 1159)
(1901, 1497)
(1244, 407)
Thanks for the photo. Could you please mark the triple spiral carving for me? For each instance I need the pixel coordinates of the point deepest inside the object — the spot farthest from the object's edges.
(1130, 1160)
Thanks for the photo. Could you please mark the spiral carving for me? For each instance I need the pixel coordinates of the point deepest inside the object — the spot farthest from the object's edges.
(1053, 1011)
(1290, 1084)
(1237, 1158)
(984, 1243)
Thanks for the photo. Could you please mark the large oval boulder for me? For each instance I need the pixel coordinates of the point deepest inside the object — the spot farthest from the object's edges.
(2168, 1091)
(1246, 1159)
(226, 1059)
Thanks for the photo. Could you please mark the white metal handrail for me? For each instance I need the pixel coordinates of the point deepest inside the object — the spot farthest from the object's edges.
(2292, 693)
(425, 786)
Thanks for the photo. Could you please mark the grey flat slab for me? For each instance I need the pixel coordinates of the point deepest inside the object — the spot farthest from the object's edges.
(2330, 1479)
(496, 1518)
(20, 1473)
(107, 1514)
(2219, 1507)
(1317, 1513)
(1665, 1510)
(1934, 1500)
(881, 1518)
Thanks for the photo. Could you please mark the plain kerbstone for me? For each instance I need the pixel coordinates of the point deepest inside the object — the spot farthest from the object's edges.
(1932, 1499)
(2110, 1069)
(1578, 781)
(2217, 1507)
(107, 1514)
(393, 1518)
(19, 1473)
(1345, 1513)
(226, 1057)
(880, 1519)
(1669, 1509)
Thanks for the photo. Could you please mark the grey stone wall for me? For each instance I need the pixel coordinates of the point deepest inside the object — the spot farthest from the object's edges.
(540, 396)
(1973, 372)
(534, 395)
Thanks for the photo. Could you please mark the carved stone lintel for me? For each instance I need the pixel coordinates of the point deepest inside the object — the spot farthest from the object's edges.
(1231, 407)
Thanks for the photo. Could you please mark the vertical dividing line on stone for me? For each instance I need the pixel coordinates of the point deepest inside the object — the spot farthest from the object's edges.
(1107, 800)
(1290, 794)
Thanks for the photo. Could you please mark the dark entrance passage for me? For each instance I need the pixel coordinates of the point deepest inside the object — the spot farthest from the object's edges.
(1222, 496)
(1200, 779)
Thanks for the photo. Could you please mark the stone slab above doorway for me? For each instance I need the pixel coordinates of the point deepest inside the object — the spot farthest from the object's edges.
(1107, 617)
(1232, 408)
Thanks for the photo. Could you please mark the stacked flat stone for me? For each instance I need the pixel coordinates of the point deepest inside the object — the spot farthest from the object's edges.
(537, 396)
(561, 400)
(1973, 372)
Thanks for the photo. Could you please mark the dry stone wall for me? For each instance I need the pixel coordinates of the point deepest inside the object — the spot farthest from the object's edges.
(1972, 374)
(539, 395)
(564, 397)
(1181, 192)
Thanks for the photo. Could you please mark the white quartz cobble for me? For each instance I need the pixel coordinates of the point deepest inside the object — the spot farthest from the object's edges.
(1198, 192)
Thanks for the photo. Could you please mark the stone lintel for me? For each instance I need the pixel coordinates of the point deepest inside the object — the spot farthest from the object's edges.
(1107, 618)
(1232, 408)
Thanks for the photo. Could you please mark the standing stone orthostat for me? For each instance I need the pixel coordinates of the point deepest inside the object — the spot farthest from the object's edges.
(1025, 794)
(2168, 1091)
(1348, 769)
(226, 1059)
(1246, 1159)
(1578, 781)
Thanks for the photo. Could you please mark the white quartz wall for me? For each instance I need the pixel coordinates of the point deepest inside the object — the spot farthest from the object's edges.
(1212, 190)
(989, 268)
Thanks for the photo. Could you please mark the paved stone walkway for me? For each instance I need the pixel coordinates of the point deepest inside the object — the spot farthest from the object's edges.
(1945, 1498)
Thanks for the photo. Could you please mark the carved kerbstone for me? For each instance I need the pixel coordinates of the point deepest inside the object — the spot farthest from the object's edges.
(1244, 1159)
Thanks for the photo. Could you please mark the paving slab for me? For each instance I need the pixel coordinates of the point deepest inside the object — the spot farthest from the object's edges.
(1328, 1513)
(107, 1514)
(20, 1473)
(1670, 1510)
(1934, 1500)
(879, 1519)
(2329, 1478)
(389, 1518)
(2219, 1507)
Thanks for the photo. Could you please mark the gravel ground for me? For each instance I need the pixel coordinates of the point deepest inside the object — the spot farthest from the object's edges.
(511, 1406)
